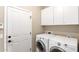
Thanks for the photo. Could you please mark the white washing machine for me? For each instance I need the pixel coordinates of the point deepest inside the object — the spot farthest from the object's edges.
(42, 42)
(62, 44)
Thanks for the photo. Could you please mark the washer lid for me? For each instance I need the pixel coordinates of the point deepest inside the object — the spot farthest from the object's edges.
(41, 46)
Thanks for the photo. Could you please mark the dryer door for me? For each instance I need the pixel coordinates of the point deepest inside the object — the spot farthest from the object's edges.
(41, 46)
(56, 49)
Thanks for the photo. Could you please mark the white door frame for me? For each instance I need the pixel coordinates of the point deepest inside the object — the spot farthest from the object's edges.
(5, 23)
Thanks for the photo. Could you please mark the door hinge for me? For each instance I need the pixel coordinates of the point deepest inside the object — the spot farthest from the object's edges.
(30, 33)
(30, 17)
(30, 49)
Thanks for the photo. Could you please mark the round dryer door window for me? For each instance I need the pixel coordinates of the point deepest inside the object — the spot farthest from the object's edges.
(56, 49)
(41, 46)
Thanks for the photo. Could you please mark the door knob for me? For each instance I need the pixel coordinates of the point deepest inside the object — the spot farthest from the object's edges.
(9, 41)
(9, 36)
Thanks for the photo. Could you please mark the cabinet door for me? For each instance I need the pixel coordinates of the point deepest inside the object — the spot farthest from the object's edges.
(71, 15)
(47, 16)
(58, 15)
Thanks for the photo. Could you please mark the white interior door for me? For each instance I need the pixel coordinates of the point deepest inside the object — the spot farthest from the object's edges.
(19, 29)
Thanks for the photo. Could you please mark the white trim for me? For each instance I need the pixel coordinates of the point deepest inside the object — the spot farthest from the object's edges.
(19, 8)
(5, 9)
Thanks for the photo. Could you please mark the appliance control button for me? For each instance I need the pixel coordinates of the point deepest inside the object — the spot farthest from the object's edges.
(40, 37)
(43, 38)
(58, 44)
(65, 45)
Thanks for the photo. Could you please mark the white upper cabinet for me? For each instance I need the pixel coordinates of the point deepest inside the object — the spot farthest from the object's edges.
(71, 15)
(58, 15)
(66, 15)
(47, 16)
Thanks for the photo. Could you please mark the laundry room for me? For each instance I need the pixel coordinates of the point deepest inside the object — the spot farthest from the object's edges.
(39, 28)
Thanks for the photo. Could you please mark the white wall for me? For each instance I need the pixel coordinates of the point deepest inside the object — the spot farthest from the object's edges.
(1, 30)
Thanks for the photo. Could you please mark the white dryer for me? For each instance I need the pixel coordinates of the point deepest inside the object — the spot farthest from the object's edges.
(42, 42)
(62, 44)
